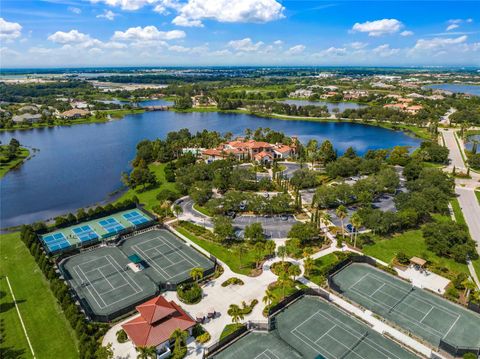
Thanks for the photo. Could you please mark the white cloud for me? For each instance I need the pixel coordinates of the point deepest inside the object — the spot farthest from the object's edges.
(295, 50)
(193, 12)
(73, 36)
(331, 52)
(406, 33)
(278, 42)
(452, 27)
(438, 43)
(107, 14)
(245, 45)
(75, 10)
(357, 45)
(9, 30)
(147, 33)
(126, 4)
(6, 52)
(378, 27)
(178, 48)
(385, 51)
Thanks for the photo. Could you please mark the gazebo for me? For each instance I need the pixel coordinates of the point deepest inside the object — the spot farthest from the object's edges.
(420, 262)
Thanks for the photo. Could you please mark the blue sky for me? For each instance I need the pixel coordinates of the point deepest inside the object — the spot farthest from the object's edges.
(48, 33)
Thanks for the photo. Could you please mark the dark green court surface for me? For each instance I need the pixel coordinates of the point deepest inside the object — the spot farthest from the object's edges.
(168, 258)
(103, 281)
(108, 287)
(416, 310)
(313, 328)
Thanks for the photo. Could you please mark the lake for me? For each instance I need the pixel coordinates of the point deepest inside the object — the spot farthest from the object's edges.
(81, 165)
(341, 106)
(457, 88)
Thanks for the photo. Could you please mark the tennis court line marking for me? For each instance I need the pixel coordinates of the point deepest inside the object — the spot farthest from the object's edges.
(269, 355)
(98, 294)
(20, 317)
(152, 263)
(426, 315)
(412, 321)
(451, 327)
(187, 258)
(347, 329)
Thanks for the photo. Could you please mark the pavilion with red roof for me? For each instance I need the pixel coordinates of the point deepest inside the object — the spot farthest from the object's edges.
(158, 319)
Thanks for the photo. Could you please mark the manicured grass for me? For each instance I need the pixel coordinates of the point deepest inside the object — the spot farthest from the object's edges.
(242, 264)
(148, 197)
(477, 193)
(412, 244)
(22, 153)
(476, 265)
(50, 334)
(230, 328)
(316, 275)
(457, 211)
(202, 210)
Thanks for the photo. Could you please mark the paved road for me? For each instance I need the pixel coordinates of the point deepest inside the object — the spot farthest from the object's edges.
(471, 212)
(274, 227)
(290, 168)
(455, 155)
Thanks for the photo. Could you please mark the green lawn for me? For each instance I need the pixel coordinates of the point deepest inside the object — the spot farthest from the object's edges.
(202, 210)
(457, 211)
(148, 197)
(49, 332)
(5, 167)
(230, 328)
(477, 193)
(316, 275)
(412, 244)
(242, 264)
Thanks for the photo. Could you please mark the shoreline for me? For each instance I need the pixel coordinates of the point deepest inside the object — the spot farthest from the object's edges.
(25, 155)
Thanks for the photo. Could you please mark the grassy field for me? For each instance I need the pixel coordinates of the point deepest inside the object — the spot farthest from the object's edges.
(5, 167)
(230, 328)
(477, 193)
(457, 211)
(49, 332)
(242, 264)
(412, 244)
(148, 197)
(320, 263)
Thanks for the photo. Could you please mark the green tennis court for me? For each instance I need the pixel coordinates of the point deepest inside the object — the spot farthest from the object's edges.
(313, 328)
(104, 283)
(168, 258)
(416, 310)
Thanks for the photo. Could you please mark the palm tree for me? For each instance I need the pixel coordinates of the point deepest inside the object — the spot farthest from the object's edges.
(196, 273)
(282, 252)
(268, 297)
(283, 279)
(241, 251)
(259, 253)
(356, 223)
(236, 313)
(177, 209)
(294, 271)
(308, 264)
(341, 213)
(146, 352)
(180, 337)
(469, 286)
(325, 218)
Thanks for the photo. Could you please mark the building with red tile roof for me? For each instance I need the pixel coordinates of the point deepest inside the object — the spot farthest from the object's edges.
(158, 319)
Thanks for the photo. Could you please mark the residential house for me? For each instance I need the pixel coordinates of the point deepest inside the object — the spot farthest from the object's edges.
(75, 113)
(156, 323)
(27, 118)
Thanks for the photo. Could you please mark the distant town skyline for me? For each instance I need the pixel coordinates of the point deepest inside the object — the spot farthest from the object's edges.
(49, 33)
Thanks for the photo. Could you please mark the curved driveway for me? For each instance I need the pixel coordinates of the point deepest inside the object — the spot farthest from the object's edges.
(274, 226)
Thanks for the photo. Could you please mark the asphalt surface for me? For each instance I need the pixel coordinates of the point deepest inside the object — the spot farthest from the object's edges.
(471, 212)
(274, 226)
(290, 169)
(455, 155)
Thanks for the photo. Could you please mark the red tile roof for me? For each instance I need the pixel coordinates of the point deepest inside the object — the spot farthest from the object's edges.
(262, 155)
(157, 321)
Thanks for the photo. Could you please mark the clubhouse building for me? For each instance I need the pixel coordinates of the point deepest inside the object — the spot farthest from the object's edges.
(258, 151)
(156, 323)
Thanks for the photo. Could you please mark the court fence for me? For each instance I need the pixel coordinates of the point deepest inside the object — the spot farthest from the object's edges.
(226, 341)
(456, 350)
(474, 307)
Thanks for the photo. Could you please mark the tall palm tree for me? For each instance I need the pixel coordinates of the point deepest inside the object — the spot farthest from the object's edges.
(268, 297)
(308, 264)
(356, 223)
(177, 209)
(283, 279)
(180, 337)
(325, 217)
(282, 252)
(236, 313)
(146, 352)
(341, 213)
(294, 271)
(469, 285)
(196, 273)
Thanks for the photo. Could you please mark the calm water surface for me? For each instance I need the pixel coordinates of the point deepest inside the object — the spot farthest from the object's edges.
(341, 106)
(458, 88)
(81, 165)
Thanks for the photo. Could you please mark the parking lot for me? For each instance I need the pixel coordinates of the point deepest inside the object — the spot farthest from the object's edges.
(274, 226)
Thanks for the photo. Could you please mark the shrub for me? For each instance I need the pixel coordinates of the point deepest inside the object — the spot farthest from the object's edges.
(232, 281)
(122, 336)
(189, 293)
(402, 258)
(203, 338)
